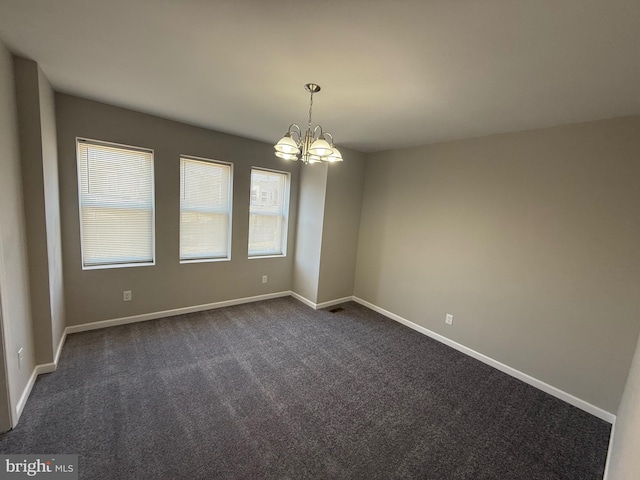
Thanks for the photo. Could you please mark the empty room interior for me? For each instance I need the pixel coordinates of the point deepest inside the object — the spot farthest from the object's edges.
(320, 240)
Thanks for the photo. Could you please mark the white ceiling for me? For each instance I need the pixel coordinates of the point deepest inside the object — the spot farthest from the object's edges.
(393, 73)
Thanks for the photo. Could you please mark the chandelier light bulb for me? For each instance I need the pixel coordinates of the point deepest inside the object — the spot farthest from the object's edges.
(287, 145)
(336, 156)
(287, 156)
(320, 147)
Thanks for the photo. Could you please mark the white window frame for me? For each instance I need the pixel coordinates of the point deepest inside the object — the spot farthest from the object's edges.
(285, 214)
(229, 244)
(123, 146)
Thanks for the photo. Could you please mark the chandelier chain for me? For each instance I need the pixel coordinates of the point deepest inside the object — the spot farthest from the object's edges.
(310, 107)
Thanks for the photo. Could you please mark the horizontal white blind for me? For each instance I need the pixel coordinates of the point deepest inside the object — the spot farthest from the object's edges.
(268, 213)
(205, 209)
(116, 204)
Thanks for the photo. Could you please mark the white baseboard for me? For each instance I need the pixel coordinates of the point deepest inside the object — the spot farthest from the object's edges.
(307, 302)
(331, 303)
(22, 401)
(38, 370)
(606, 465)
(46, 368)
(169, 313)
(318, 306)
(56, 358)
(545, 387)
(197, 308)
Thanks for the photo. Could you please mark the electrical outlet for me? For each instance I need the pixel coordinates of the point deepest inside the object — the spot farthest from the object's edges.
(264, 279)
(20, 357)
(126, 296)
(448, 319)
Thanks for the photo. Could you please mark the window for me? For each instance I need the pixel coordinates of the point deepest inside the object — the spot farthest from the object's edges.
(268, 213)
(115, 184)
(205, 209)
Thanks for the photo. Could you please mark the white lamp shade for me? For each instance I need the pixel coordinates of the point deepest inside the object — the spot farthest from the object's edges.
(287, 145)
(314, 159)
(336, 156)
(287, 156)
(320, 147)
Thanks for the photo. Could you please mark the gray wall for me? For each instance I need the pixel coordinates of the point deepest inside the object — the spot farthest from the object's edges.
(530, 239)
(342, 209)
(14, 277)
(39, 157)
(94, 295)
(48, 133)
(327, 231)
(308, 247)
(624, 462)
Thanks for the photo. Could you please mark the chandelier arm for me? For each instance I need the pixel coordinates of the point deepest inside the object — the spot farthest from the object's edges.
(330, 136)
(297, 131)
(315, 130)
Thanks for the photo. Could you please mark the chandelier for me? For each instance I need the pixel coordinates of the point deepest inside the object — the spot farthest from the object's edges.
(311, 147)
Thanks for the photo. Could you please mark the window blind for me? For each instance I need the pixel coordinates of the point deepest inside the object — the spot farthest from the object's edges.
(205, 209)
(268, 212)
(116, 204)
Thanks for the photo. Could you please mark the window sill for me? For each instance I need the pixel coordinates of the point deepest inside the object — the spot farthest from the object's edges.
(205, 260)
(117, 265)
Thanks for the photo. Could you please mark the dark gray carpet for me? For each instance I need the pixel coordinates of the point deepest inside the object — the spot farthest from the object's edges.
(277, 390)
